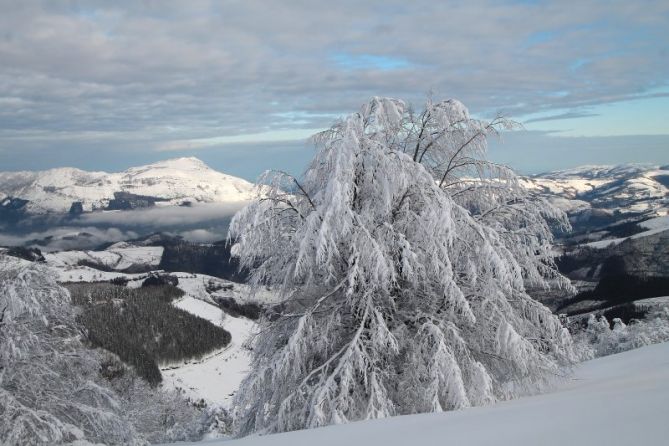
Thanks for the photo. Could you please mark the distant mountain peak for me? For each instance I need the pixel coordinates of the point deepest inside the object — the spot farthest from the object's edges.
(176, 181)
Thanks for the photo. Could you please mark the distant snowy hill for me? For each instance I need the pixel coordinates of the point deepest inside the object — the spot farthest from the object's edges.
(607, 189)
(118, 257)
(180, 181)
(618, 249)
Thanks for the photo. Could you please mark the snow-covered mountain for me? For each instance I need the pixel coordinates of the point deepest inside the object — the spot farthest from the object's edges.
(624, 189)
(179, 181)
(618, 249)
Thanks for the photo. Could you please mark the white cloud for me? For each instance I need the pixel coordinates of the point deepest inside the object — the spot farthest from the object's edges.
(168, 216)
(272, 136)
(202, 236)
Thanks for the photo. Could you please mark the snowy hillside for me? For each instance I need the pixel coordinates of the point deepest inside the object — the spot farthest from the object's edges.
(214, 378)
(172, 182)
(625, 188)
(117, 257)
(616, 251)
(616, 400)
(649, 227)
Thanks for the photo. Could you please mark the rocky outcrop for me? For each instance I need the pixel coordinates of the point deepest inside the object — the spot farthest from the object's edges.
(76, 208)
(124, 201)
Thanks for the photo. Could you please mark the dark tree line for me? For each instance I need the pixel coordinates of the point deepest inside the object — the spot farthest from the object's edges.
(142, 327)
(248, 310)
(30, 254)
(618, 287)
(213, 260)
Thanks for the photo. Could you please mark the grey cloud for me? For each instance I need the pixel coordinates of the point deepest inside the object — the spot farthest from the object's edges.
(164, 216)
(133, 75)
(568, 115)
(67, 238)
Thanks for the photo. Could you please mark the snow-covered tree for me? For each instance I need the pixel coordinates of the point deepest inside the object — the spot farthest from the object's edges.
(52, 388)
(402, 259)
(48, 394)
(598, 338)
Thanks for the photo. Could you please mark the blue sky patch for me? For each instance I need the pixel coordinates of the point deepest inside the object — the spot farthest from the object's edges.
(369, 62)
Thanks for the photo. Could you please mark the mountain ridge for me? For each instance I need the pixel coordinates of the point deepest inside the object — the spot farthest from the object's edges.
(624, 188)
(176, 181)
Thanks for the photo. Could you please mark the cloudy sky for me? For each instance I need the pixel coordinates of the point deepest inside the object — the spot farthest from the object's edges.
(240, 84)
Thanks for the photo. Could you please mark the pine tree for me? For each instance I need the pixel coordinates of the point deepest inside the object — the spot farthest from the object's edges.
(402, 259)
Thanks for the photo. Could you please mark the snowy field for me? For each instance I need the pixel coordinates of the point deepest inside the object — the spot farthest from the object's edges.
(616, 400)
(218, 376)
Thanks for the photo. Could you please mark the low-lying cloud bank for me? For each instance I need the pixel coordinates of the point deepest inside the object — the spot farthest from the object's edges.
(68, 238)
(202, 223)
(160, 217)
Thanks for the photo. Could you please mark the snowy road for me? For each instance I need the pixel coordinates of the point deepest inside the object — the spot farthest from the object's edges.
(617, 400)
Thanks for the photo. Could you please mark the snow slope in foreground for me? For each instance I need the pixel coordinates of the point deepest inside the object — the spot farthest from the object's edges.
(616, 400)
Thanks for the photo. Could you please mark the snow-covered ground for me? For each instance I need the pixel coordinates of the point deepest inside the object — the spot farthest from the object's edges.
(616, 400)
(115, 257)
(215, 378)
(88, 274)
(570, 186)
(653, 301)
(656, 223)
(204, 287)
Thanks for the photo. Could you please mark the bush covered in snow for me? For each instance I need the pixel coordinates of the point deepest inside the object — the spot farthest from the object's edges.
(157, 415)
(599, 338)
